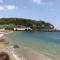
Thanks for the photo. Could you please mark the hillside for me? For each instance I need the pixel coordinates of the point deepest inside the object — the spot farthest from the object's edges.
(22, 22)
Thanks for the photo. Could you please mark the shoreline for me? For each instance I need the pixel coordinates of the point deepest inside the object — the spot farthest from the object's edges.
(33, 54)
(15, 57)
(2, 33)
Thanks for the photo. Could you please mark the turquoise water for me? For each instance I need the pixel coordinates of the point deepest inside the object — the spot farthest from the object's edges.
(47, 43)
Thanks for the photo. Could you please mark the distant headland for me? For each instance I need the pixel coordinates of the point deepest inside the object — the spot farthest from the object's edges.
(22, 24)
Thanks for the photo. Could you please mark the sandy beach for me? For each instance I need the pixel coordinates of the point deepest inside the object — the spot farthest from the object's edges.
(8, 48)
(22, 53)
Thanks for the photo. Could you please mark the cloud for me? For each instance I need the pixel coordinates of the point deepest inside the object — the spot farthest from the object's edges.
(42, 2)
(37, 1)
(8, 7)
(1, 8)
(5, 7)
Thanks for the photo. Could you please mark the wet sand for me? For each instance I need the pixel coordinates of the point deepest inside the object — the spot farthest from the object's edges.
(29, 54)
(21, 53)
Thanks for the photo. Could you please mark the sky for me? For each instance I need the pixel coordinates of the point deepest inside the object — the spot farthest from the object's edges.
(47, 10)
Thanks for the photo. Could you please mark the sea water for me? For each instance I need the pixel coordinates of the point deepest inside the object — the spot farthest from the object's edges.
(37, 45)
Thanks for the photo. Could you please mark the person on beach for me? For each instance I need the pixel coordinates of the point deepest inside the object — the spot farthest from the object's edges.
(4, 56)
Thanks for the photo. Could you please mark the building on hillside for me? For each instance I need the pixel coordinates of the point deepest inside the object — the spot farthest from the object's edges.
(47, 30)
(22, 29)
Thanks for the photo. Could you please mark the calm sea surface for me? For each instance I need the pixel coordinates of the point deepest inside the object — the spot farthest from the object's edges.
(47, 43)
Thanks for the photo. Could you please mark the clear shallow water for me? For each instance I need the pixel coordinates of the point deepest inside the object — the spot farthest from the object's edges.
(47, 43)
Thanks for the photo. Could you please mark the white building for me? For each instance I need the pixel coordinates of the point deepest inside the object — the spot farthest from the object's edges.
(21, 29)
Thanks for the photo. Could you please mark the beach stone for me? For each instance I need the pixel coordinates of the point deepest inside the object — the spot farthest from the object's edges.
(4, 56)
(15, 46)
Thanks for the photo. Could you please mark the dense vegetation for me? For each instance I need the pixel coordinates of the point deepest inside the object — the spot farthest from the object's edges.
(21, 22)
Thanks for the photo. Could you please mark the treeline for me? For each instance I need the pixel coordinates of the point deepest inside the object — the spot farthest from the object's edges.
(36, 25)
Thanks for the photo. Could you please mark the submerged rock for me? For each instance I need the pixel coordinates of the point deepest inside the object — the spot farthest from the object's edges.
(15, 46)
